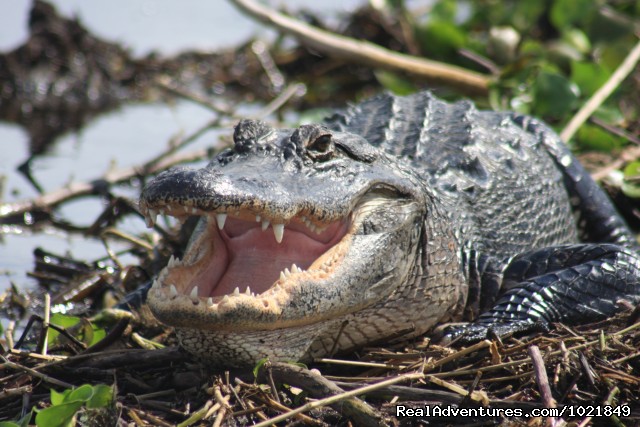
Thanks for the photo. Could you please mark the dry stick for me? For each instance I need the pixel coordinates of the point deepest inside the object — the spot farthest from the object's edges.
(80, 189)
(541, 376)
(629, 154)
(602, 94)
(367, 53)
(456, 355)
(358, 411)
(7, 364)
(45, 323)
(304, 418)
(526, 361)
(339, 397)
(166, 84)
(294, 89)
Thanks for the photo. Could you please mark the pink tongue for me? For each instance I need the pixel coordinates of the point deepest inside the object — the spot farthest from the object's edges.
(256, 259)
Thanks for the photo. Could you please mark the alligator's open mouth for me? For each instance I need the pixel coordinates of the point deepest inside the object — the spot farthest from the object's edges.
(242, 253)
(236, 258)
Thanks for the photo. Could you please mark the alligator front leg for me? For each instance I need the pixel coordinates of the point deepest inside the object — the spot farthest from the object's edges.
(569, 284)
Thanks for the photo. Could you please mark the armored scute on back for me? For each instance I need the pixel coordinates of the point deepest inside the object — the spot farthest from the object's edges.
(391, 217)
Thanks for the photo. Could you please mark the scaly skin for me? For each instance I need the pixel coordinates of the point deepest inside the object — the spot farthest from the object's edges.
(397, 215)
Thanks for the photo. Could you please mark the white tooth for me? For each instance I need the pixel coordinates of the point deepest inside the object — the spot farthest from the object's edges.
(287, 273)
(225, 299)
(194, 210)
(313, 228)
(221, 218)
(258, 218)
(173, 292)
(170, 263)
(194, 294)
(248, 291)
(294, 269)
(209, 302)
(169, 208)
(278, 231)
(253, 295)
(162, 211)
(162, 274)
(277, 287)
(265, 224)
(236, 292)
(282, 276)
(148, 222)
(153, 215)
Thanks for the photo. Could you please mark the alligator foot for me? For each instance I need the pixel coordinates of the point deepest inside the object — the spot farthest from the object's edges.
(568, 283)
(473, 332)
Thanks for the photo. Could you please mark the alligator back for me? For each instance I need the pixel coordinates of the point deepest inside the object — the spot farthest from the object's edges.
(503, 191)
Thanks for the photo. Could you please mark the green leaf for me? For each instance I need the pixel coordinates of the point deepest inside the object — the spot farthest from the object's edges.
(577, 39)
(570, 13)
(608, 27)
(259, 365)
(444, 10)
(396, 83)
(441, 38)
(554, 95)
(588, 76)
(57, 415)
(631, 182)
(88, 332)
(102, 396)
(58, 398)
(596, 138)
(80, 394)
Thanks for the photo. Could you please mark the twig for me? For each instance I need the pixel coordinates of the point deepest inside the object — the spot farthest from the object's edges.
(477, 396)
(304, 418)
(129, 238)
(339, 397)
(45, 323)
(295, 89)
(629, 154)
(615, 130)
(456, 355)
(197, 415)
(320, 387)
(79, 189)
(367, 53)
(356, 363)
(165, 83)
(33, 373)
(602, 94)
(541, 376)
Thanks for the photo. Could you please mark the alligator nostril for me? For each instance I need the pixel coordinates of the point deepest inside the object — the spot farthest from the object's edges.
(321, 144)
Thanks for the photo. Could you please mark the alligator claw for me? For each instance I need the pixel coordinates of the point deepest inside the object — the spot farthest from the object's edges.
(474, 332)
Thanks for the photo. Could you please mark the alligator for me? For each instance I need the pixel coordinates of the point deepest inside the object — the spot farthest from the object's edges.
(389, 218)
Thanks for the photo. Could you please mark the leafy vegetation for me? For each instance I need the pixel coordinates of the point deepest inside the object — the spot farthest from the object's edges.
(548, 57)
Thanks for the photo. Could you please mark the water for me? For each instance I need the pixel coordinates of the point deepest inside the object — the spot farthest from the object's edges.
(125, 137)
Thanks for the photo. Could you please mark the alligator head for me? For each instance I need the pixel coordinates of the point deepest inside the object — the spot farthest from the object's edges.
(300, 229)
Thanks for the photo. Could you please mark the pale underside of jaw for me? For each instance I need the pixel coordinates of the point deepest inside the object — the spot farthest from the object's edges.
(236, 261)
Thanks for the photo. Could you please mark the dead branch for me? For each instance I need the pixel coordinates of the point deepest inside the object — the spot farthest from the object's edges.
(319, 387)
(366, 53)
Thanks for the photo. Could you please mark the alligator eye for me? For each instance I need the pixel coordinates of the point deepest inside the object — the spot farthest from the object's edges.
(321, 148)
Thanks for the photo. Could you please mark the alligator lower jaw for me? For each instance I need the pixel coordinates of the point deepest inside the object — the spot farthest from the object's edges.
(236, 275)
